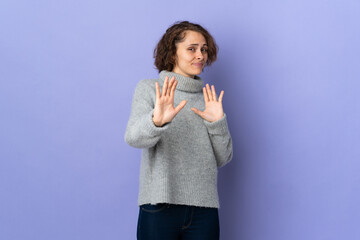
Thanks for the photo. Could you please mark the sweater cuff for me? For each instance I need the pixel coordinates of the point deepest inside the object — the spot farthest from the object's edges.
(219, 127)
(152, 128)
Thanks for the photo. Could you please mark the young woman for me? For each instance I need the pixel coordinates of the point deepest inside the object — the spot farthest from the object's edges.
(183, 132)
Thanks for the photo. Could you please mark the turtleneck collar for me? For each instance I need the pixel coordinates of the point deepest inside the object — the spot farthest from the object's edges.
(186, 84)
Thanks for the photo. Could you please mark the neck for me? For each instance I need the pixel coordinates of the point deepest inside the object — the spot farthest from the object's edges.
(176, 70)
(187, 84)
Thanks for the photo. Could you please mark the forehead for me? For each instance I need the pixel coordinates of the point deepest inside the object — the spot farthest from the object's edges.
(192, 37)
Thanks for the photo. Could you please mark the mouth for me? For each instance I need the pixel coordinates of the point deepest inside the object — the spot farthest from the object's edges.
(198, 65)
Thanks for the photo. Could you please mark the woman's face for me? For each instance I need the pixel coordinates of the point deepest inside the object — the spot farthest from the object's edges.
(191, 54)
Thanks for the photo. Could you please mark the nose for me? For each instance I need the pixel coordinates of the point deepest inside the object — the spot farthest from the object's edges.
(199, 55)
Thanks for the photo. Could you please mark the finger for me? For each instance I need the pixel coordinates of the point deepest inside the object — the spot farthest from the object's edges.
(180, 106)
(206, 97)
(163, 93)
(209, 92)
(171, 83)
(221, 96)
(198, 112)
(157, 90)
(173, 88)
(213, 92)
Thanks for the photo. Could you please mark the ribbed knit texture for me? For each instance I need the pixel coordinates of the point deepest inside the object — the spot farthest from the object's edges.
(180, 159)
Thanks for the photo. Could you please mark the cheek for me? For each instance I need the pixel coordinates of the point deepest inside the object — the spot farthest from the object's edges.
(185, 58)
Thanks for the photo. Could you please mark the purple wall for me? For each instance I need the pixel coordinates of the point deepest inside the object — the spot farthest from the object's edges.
(290, 71)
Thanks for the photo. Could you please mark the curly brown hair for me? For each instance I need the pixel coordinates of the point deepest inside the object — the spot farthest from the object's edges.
(165, 51)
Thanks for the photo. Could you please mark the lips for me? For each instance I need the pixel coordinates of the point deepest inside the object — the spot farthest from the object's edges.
(198, 64)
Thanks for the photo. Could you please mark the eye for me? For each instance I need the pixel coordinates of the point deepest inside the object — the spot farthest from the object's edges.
(204, 49)
(191, 49)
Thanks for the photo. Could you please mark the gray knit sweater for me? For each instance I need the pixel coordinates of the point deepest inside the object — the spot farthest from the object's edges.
(180, 159)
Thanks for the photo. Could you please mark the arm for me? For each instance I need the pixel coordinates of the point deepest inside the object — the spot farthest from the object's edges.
(148, 119)
(215, 121)
(220, 140)
(141, 131)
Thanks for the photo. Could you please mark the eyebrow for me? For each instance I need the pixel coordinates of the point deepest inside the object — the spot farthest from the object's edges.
(195, 44)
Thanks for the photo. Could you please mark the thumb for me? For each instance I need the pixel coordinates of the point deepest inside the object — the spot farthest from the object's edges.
(180, 106)
(198, 112)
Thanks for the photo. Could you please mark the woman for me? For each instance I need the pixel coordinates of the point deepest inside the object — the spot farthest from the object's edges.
(182, 145)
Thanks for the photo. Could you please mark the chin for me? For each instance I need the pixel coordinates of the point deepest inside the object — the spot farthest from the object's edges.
(197, 72)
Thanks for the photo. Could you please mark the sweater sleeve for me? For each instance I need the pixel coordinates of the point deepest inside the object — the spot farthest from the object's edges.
(141, 132)
(221, 140)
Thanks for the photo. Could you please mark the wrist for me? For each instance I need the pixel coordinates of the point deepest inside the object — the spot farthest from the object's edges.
(156, 123)
(218, 118)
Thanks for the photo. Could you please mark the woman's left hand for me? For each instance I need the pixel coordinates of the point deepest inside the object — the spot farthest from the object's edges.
(213, 106)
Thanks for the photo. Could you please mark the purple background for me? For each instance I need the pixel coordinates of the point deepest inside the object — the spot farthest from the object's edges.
(290, 72)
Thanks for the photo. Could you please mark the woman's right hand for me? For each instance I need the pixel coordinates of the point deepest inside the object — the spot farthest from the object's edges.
(164, 111)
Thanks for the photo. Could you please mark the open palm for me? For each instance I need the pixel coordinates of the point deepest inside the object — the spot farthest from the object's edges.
(164, 110)
(213, 106)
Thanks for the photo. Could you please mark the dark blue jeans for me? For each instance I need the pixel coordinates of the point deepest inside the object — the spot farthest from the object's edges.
(177, 222)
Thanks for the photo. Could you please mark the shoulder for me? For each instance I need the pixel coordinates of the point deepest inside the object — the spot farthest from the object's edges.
(146, 85)
(145, 90)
